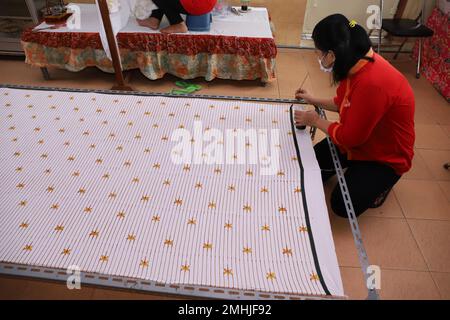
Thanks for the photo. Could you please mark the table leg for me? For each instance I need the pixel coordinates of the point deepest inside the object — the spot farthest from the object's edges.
(45, 73)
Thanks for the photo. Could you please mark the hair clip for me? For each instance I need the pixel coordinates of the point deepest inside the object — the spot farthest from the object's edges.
(353, 23)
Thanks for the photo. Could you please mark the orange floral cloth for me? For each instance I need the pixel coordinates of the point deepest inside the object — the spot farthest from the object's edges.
(185, 56)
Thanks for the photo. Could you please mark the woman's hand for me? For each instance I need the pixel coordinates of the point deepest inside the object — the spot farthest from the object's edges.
(306, 118)
(305, 95)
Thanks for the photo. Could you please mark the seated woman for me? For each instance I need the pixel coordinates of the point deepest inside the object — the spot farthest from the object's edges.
(375, 133)
(173, 9)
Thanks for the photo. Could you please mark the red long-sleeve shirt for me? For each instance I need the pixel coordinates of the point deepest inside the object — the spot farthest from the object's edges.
(376, 109)
(198, 7)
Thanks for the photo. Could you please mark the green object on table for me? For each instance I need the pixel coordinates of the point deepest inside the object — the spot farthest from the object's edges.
(186, 88)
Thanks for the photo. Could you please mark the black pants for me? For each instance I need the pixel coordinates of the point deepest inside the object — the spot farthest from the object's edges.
(366, 180)
(172, 9)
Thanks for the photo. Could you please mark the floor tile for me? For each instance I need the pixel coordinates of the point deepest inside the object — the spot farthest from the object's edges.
(354, 283)
(423, 116)
(434, 104)
(43, 290)
(395, 284)
(389, 243)
(17, 72)
(422, 199)
(243, 88)
(116, 294)
(419, 170)
(408, 285)
(291, 72)
(435, 160)
(431, 137)
(445, 186)
(12, 288)
(446, 129)
(442, 281)
(433, 238)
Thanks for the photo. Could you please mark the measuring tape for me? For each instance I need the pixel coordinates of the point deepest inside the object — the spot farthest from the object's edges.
(362, 254)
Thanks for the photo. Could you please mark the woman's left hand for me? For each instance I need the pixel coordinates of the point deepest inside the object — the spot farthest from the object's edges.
(306, 118)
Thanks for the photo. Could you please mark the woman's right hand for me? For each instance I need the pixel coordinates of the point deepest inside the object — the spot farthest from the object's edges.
(305, 95)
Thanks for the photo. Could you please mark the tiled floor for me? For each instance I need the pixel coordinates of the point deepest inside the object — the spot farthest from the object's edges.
(408, 237)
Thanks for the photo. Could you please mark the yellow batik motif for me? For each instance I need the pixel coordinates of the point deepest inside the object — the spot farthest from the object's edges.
(185, 268)
(207, 246)
(144, 263)
(168, 242)
(227, 272)
(271, 276)
(24, 225)
(287, 251)
(314, 277)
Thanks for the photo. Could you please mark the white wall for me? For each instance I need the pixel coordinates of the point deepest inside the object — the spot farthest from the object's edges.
(356, 10)
(316, 10)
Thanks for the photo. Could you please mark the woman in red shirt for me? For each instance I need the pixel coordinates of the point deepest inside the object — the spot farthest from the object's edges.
(375, 132)
(173, 9)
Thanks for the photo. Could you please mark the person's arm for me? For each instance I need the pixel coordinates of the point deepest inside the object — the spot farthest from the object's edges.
(312, 119)
(325, 103)
(369, 104)
(361, 118)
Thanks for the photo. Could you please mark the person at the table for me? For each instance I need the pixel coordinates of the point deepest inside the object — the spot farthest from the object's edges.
(375, 132)
(173, 9)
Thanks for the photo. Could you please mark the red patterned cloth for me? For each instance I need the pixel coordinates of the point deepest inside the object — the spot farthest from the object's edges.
(436, 53)
(156, 42)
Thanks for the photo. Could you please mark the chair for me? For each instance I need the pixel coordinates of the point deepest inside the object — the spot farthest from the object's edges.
(406, 28)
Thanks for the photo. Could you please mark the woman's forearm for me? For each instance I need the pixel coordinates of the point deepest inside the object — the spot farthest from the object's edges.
(323, 125)
(327, 104)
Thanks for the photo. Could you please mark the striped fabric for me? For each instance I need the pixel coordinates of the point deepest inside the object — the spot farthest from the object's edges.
(89, 179)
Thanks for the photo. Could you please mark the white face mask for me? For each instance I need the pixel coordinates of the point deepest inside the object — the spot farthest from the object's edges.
(329, 69)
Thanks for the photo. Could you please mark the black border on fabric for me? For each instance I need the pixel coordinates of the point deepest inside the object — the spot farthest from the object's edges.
(305, 205)
(291, 113)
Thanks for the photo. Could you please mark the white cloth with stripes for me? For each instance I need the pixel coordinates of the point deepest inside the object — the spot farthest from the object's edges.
(88, 180)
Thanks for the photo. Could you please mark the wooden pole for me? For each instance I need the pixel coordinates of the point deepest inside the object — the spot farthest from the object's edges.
(113, 48)
(401, 9)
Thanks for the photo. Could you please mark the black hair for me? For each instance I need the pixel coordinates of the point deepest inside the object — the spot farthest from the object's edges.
(349, 44)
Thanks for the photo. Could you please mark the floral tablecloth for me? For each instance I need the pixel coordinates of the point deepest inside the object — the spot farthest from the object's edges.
(155, 54)
(436, 53)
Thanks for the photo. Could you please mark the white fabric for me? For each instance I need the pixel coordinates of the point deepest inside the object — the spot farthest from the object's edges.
(142, 9)
(57, 147)
(119, 17)
(254, 24)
